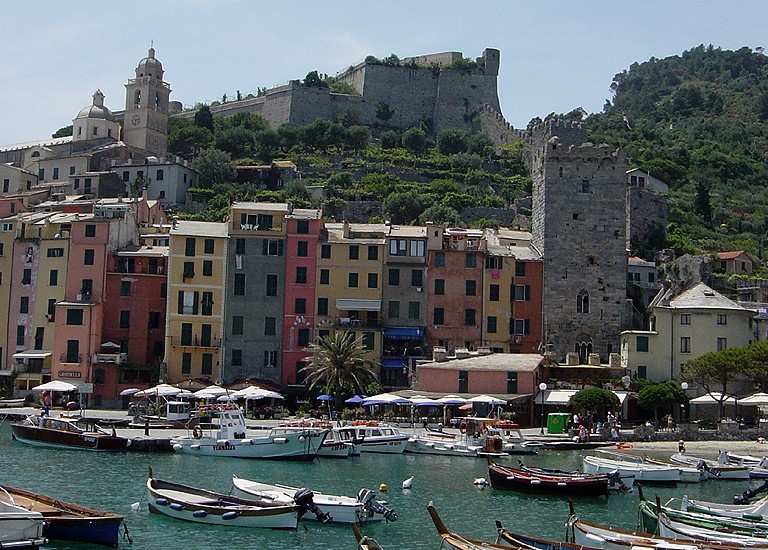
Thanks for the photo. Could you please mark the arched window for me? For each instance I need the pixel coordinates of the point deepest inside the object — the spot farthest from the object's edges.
(582, 302)
(583, 349)
(157, 102)
(137, 100)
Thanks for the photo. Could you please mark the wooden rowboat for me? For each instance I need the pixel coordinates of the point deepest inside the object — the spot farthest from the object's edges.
(453, 541)
(363, 542)
(513, 479)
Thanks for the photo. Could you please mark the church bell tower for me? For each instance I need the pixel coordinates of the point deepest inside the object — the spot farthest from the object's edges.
(146, 107)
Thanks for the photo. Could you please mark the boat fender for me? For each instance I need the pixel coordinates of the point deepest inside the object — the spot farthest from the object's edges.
(280, 440)
(535, 482)
(177, 447)
(197, 432)
(753, 517)
(222, 442)
(510, 478)
(162, 502)
(196, 446)
(176, 506)
(199, 513)
(561, 483)
(229, 515)
(247, 441)
(463, 427)
(128, 443)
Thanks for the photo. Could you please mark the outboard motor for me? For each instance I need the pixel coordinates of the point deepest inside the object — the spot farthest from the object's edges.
(744, 497)
(614, 480)
(365, 496)
(304, 499)
(704, 467)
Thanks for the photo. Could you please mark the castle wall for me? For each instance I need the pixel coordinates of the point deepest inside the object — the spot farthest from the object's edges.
(460, 98)
(646, 211)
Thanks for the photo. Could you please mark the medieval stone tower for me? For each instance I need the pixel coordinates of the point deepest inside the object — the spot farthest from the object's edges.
(146, 107)
(579, 224)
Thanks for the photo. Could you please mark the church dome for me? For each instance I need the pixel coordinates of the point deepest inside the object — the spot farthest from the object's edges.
(150, 66)
(97, 109)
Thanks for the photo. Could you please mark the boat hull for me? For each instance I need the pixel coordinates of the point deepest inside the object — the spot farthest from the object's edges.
(511, 479)
(19, 527)
(288, 446)
(44, 437)
(640, 473)
(334, 450)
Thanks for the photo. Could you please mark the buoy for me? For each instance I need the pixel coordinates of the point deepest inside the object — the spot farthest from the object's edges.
(383, 488)
(135, 506)
(407, 483)
(480, 482)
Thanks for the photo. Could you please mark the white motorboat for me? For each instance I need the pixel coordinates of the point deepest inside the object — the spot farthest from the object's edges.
(677, 530)
(514, 442)
(436, 443)
(715, 469)
(688, 474)
(341, 509)
(648, 473)
(757, 467)
(373, 437)
(330, 447)
(756, 511)
(228, 438)
(746, 460)
(19, 527)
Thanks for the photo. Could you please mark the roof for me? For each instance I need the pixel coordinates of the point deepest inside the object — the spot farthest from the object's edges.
(200, 229)
(269, 206)
(732, 255)
(509, 362)
(436, 395)
(396, 231)
(144, 251)
(38, 143)
(700, 296)
(639, 262)
(307, 213)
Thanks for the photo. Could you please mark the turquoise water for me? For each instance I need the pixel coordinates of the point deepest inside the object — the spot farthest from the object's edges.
(113, 481)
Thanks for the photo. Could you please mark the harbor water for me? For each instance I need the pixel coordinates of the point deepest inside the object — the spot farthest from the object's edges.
(113, 481)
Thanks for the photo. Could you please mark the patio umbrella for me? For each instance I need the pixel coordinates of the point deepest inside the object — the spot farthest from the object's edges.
(111, 345)
(159, 390)
(55, 385)
(226, 399)
(422, 401)
(386, 399)
(129, 391)
(355, 399)
(486, 399)
(214, 391)
(245, 391)
(452, 400)
(264, 394)
(755, 399)
(325, 397)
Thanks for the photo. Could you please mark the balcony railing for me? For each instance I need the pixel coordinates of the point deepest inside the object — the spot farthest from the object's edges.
(71, 359)
(196, 342)
(348, 322)
(156, 270)
(117, 358)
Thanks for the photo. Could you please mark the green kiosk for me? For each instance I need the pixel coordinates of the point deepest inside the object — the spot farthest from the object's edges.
(557, 423)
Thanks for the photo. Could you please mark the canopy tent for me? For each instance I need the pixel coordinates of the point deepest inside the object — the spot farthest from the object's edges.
(758, 398)
(487, 400)
(356, 399)
(713, 398)
(563, 397)
(129, 391)
(56, 385)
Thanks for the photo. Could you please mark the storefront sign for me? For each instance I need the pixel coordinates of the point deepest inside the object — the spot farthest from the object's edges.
(70, 374)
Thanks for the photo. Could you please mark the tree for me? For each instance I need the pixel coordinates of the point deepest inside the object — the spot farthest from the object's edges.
(703, 205)
(383, 112)
(405, 208)
(313, 80)
(415, 140)
(339, 360)
(714, 371)
(63, 132)
(204, 118)
(188, 141)
(214, 166)
(238, 142)
(594, 399)
(439, 214)
(756, 363)
(451, 141)
(655, 396)
(389, 139)
(357, 137)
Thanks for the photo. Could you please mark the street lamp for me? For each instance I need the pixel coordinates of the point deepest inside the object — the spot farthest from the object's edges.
(542, 387)
(684, 385)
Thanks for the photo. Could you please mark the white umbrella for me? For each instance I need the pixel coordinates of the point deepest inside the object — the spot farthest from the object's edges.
(755, 399)
(184, 393)
(245, 391)
(713, 398)
(452, 400)
(386, 399)
(226, 398)
(55, 385)
(129, 391)
(487, 399)
(214, 391)
(262, 394)
(160, 390)
(423, 401)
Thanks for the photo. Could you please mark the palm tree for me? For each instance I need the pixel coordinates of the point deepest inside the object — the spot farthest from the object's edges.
(339, 360)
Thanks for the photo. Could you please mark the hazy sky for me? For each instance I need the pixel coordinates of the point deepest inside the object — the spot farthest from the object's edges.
(555, 55)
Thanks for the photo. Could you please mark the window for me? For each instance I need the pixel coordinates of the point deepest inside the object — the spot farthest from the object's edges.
(301, 275)
(685, 344)
(125, 318)
(207, 303)
(208, 246)
(519, 269)
(373, 252)
(259, 222)
(56, 171)
(53, 279)
(39, 337)
(722, 343)
(270, 359)
(398, 247)
(300, 305)
(493, 293)
(325, 251)
(206, 365)
(325, 276)
(439, 287)
(322, 306)
(492, 325)
(186, 363)
(239, 289)
(438, 316)
(369, 340)
(159, 175)
(463, 381)
(469, 317)
(87, 287)
(394, 277)
(20, 335)
(439, 259)
(125, 288)
(414, 311)
(352, 280)
(272, 247)
(186, 334)
(188, 303)
(41, 174)
(470, 288)
(417, 278)
(303, 337)
(417, 249)
(205, 335)
(237, 358)
(51, 307)
(521, 327)
(155, 318)
(471, 260)
(88, 256)
(239, 246)
(189, 270)
(722, 319)
(189, 247)
(90, 229)
(207, 268)
(6, 184)
(354, 252)
(393, 309)
(26, 277)
(270, 324)
(651, 277)
(685, 318)
(302, 227)
(74, 316)
(522, 293)
(642, 343)
(511, 382)
(24, 304)
(163, 291)
(271, 284)
(55, 252)
(237, 325)
(302, 249)
(73, 351)
(582, 302)
(373, 280)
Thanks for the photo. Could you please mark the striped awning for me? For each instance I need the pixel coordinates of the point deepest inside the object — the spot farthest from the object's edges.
(352, 304)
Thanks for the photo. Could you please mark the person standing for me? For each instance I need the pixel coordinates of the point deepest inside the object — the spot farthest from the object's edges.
(47, 400)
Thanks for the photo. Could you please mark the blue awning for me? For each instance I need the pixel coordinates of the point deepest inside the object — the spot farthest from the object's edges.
(394, 362)
(404, 333)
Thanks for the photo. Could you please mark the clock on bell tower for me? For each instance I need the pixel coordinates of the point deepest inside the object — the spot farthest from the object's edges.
(146, 107)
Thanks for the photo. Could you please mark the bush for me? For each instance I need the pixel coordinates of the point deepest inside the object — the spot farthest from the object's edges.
(389, 139)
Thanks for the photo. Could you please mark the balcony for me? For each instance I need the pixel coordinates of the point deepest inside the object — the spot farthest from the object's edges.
(353, 323)
(71, 359)
(116, 358)
(154, 270)
(196, 342)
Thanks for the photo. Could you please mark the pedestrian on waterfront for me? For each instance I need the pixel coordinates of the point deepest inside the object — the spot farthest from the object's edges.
(614, 433)
(47, 403)
(681, 446)
(670, 423)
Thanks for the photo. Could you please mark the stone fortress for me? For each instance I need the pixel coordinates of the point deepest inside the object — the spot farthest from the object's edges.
(420, 89)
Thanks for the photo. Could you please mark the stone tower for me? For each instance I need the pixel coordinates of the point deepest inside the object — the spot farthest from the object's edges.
(146, 107)
(579, 225)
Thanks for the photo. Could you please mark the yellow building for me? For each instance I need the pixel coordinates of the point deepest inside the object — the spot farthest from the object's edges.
(194, 326)
(350, 260)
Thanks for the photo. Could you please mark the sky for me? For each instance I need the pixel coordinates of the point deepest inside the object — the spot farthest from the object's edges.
(556, 55)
